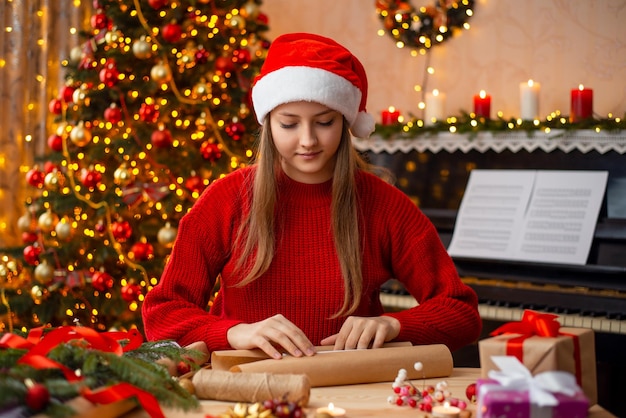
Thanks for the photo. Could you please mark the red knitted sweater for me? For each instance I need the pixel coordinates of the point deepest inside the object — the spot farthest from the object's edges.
(304, 281)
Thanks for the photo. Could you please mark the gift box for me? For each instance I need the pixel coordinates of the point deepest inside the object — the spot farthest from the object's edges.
(515, 392)
(541, 344)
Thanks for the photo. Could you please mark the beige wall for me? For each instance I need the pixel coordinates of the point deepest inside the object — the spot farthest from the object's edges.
(559, 43)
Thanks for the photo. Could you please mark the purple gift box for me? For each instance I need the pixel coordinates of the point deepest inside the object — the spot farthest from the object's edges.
(512, 394)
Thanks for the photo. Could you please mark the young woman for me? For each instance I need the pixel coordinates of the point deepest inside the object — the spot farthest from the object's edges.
(303, 239)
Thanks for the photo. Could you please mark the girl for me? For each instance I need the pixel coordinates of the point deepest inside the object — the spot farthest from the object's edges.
(303, 239)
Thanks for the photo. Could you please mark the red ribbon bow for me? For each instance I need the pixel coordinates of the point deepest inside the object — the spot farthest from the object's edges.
(135, 191)
(39, 345)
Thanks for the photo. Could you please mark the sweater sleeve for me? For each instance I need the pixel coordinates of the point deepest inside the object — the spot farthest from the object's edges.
(447, 310)
(176, 308)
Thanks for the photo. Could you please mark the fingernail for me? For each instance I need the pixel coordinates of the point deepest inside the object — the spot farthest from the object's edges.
(278, 356)
(310, 351)
(297, 353)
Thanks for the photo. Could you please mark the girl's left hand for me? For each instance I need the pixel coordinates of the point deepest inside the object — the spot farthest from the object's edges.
(364, 332)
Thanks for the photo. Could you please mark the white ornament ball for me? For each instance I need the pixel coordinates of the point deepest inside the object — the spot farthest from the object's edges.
(44, 272)
(160, 73)
(63, 230)
(142, 48)
(26, 223)
(167, 235)
(76, 54)
(47, 221)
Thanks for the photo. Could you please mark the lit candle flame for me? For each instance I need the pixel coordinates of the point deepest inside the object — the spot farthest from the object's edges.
(435, 92)
(482, 94)
(530, 83)
(581, 87)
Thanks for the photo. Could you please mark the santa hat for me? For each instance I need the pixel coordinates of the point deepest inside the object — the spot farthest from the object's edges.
(309, 67)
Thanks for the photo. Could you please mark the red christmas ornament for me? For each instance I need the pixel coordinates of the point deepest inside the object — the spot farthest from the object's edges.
(31, 254)
(202, 55)
(148, 113)
(210, 151)
(142, 251)
(158, 4)
(90, 178)
(37, 396)
(67, 94)
(262, 18)
(49, 167)
(109, 75)
(224, 65)
(113, 114)
(99, 20)
(194, 183)
(470, 392)
(55, 142)
(35, 178)
(161, 138)
(102, 281)
(172, 32)
(242, 56)
(29, 237)
(121, 230)
(182, 368)
(236, 130)
(55, 106)
(131, 292)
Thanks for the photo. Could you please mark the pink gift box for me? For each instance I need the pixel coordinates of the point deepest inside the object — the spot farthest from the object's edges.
(495, 401)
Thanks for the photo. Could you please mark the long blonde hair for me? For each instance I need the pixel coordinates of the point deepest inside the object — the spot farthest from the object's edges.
(257, 230)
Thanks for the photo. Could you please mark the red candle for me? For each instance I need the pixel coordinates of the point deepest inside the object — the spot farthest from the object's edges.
(390, 116)
(482, 105)
(582, 104)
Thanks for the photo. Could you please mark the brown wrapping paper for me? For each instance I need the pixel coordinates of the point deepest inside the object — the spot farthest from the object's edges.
(227, 359)
(332, 368)
(542, 354)
(223, 385)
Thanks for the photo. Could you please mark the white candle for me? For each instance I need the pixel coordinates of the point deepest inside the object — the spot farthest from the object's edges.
(446, 411)
(529, 100)
(331, 410)
(435, 104)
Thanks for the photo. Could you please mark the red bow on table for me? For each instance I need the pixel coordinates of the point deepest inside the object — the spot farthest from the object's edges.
(135, 191)
(39, 344)
(536, 324)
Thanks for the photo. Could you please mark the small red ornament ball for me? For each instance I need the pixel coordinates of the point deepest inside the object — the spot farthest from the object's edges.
(67, 94)
(202, 56)
(194, 184)
(55, 143)
(210, 151)
(55, 106)
(183, 367)
(242, 56)
(161, 138)
(113, 114)
(142, 251)
(158, 4)
(101, 281)
(236, 130)
(121, 230)
(470, 392)
(31, 254)
(37, 397)
(99, 20)
(224, 65)
(35, 178)
(109, 75)
(131, 292)
(148, 113)
(90, 178)
(172, 32)
(29, 237)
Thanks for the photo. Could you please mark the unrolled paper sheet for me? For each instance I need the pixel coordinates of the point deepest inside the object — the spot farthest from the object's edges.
(347, 367)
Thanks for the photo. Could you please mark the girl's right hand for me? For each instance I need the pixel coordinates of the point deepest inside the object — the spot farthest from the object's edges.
(270, 333)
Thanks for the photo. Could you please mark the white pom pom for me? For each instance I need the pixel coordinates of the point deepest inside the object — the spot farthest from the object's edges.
(418, 366)
(363, 125)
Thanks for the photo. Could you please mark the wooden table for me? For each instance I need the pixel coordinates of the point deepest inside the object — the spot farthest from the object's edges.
(367, 400)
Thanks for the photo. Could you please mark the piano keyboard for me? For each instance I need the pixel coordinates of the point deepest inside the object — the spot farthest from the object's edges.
(507, 314)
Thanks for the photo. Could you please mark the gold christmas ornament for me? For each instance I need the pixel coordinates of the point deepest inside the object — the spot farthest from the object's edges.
(112, 36)
(63, 230)
(201, 90)
(142, 48)
(250, 10)
(160, 73)
(80, 135)
(122, 175)
(79, 95)
(44, 273)
(47, 221)
(26, 223)
(53, 180)
(76, 54)
(167, 235)
(38, 293)
(237, 22)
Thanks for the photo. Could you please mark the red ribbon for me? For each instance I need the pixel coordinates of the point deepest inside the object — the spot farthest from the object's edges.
(536, 324)
(134, 191)
(39, 345)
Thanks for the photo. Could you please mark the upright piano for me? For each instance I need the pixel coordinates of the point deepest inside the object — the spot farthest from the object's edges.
(434, 170)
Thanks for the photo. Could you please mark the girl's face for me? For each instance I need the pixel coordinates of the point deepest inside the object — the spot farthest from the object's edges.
(307, 136)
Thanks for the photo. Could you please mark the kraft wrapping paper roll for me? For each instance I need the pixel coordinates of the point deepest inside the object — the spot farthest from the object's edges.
(227, 359)
(223, 385)
(333, 368)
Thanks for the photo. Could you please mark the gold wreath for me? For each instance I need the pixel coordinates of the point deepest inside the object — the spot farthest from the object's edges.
(428, 26)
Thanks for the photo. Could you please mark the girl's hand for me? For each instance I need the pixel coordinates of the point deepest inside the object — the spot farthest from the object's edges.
(270, 333)
(364, 332)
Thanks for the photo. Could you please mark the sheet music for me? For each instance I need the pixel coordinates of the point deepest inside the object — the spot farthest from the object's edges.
(529, 215)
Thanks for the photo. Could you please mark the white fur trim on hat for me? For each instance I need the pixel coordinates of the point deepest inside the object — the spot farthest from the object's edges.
(301, 83)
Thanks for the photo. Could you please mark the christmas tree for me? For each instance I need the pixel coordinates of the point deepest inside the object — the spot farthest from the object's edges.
(155, 107)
